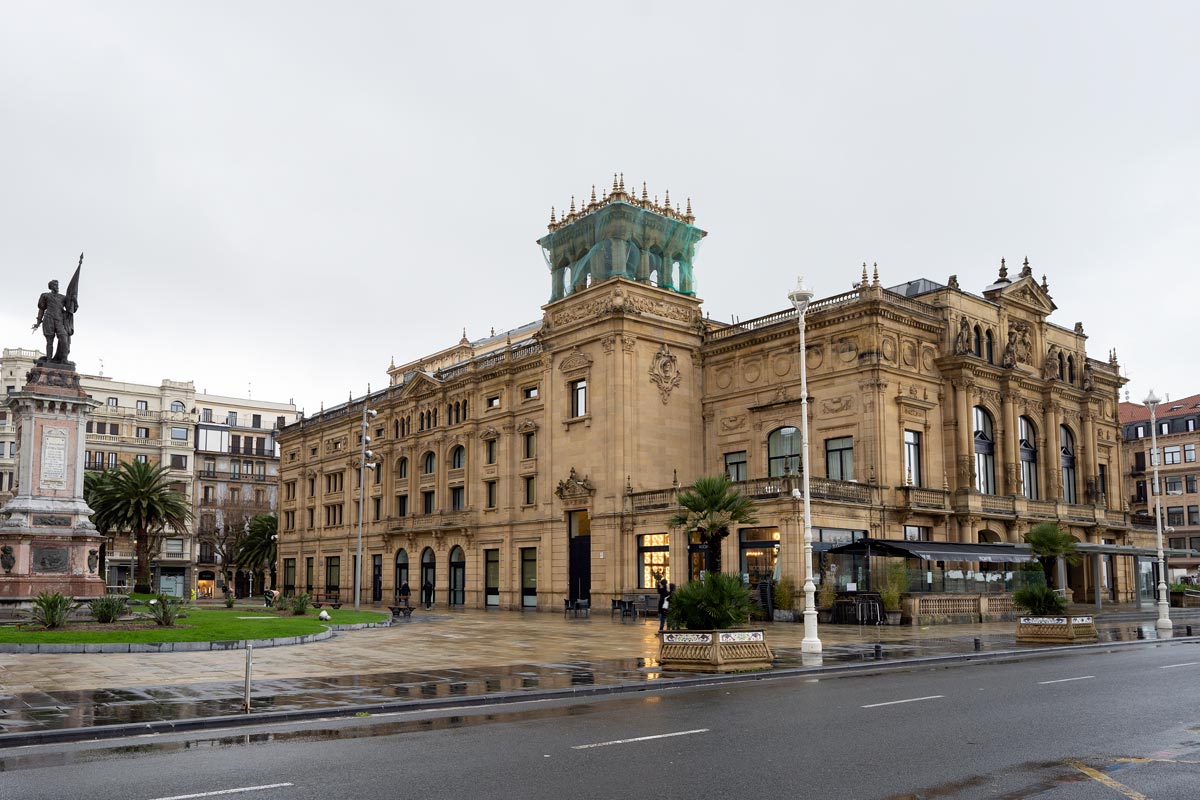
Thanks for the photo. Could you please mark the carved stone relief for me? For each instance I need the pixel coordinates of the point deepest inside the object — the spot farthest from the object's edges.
(815, 356)
(781, 363)
(838, 405)
(847, 349)
(908, 353)
(888, 346)
(664, 372)
(576, 360)
(723, 377)
(734, 423)
(752, 370)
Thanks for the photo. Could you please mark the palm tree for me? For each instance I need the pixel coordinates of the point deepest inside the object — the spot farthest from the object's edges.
(257, 551)
(136, 497)
(711, 505)
(1050, 543)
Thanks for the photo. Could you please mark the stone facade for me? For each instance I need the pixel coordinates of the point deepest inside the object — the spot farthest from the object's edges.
(540, 465)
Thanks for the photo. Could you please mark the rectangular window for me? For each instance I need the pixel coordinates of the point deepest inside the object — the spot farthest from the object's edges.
(735, 465)
(1173, 484)
(916, 533)
(1190, 425)
(142, 459)
(1191, 484)
(578, 391)
(530, 489)
(1177, 543)
(179, 434)
(1189, 453)
(1174, 515)
(1103, 479)
(142, 405)
(912, 458)
(231, 418)
(489, 451)
(235, 469)
(143, 433)
(206, 415)
(333, 574)
(311, 519)
(308, 574)
(256, 421)
(401, 505)
(235, 443)
(529, 444)
(457, 498)
(491, 493)
(208, 493)
(839, 458)
(1164, 428)
(377, 507)
(529, 393)
(1139, 431)
(173, 547)
(654, 558)
(289, 576)
(1193, 515)
(178, 462)
(112, 402)
(493, 401)
(1171, 455)
(426, 502)
(1139, 462)
(112, 460)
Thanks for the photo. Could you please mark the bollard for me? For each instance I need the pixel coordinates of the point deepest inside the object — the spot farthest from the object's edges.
(878, 652)
(249, 662)
(1189, 630)
(978, 645)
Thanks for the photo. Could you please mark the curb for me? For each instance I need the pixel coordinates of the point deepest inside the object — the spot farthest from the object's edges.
(103, 732)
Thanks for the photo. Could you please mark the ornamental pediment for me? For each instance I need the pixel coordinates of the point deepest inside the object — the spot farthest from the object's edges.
(1025, 293)
(574, 488)
(575, 361)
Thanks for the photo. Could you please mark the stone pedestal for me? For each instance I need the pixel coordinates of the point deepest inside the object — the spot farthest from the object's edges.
(47, 542)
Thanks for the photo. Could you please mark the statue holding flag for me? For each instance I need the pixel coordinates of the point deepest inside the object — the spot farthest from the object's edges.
(56, 315)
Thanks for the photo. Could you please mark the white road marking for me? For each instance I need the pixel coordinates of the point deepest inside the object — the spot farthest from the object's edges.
(1067, 680)
(1185, 664)
(225, 791)
(910, 700)
(640, 739)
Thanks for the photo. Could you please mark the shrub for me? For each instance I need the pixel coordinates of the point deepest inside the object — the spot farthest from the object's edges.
(229, 600)
(167, 610)
(827, 589)
(895, 580)
(108, 608)
(51, 609)
(785, 594)
(1039, 599)
(718, 601)
(299, 603)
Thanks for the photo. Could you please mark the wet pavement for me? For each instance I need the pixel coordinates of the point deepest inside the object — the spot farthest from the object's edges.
(444, 656)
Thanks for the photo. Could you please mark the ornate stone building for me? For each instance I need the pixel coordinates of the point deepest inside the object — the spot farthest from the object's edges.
(540, 465)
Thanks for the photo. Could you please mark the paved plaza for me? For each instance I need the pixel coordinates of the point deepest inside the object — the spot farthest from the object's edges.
(441, 654)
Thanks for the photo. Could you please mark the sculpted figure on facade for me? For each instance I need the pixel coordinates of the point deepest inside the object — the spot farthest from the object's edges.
(56, 316)
(1010, 350)
(1050, 370)
(962, 342)
(1089, 380)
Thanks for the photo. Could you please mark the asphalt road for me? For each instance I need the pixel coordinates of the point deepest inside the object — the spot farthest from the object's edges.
(1123, 723)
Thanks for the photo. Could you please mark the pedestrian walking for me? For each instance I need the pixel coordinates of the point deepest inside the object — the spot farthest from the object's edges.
(664, 602)
(404, 594)
(427, 594)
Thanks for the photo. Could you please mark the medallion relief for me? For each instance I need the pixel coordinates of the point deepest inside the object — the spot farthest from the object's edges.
(664, 372)
(723, 377)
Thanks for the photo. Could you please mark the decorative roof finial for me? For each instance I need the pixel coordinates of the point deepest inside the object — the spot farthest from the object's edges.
(645, 197)
(553, 221)
(1026, 271)
(614, 189)
(1003, 270)
(1045, 286)
(689, 206)
(572, 204)
(593, 194)
(667, 201)
(622, 183)
(875, 279)
(863, 282)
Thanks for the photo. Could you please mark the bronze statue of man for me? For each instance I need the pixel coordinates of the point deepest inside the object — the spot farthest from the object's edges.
(56, 315)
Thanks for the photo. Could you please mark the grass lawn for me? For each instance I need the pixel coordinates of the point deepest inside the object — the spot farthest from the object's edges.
(200, 625)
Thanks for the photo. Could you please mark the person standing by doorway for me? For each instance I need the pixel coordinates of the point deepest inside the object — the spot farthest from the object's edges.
(405, 594)
(664, 602)
(427, 594)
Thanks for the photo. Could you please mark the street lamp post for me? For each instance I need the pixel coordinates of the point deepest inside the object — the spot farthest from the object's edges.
(363, 466)
(801, 296)
(1163, 624)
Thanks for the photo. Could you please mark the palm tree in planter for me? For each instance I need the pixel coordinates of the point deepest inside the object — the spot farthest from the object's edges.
(1051, 544)
(257, 551)
(710, 612)
(711, 506)
(136, 496)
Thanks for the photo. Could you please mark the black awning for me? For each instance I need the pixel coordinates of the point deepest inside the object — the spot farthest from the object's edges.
(936, 551)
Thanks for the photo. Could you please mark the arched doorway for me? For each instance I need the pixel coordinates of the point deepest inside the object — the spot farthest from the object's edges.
(401, 575)
(428, 576)
(458, 577)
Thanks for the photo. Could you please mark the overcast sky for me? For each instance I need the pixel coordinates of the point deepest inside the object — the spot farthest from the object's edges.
(280, 197)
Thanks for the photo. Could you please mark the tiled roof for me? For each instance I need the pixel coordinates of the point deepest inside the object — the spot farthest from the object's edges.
(1136, 412)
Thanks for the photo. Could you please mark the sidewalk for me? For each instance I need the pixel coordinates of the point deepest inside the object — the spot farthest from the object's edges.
(445, 656)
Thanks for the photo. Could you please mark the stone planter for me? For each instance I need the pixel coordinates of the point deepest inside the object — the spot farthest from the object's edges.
(1056, 630)
(784, 615)
(893, 617)
(732, 650)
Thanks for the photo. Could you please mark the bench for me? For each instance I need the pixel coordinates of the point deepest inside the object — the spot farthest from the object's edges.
(406, 610)
(334, 599)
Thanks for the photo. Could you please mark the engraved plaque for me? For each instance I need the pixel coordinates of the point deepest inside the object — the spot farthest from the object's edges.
(51, 521)
(50, 559)
(54, 458)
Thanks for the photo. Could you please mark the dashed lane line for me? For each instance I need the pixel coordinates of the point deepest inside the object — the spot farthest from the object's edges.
(639, 739)
(220, 792)
(1068, 680)
(909, 700)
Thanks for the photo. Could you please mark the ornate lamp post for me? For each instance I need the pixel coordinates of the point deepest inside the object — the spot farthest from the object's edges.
(363, 466)
(1163, 623)
(801, 296)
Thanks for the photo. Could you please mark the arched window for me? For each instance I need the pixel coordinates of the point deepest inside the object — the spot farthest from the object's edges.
(1071, 369)
(396, 429)
(1067, 445)
(401, 570)
(458, 457)
(1062, 367)
(985, 452)
(1027, 444)
(177, 406)
(428, 463)
(402, 468)
(977, 342)
(428, 576)
(988, 348)
(783, 451)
